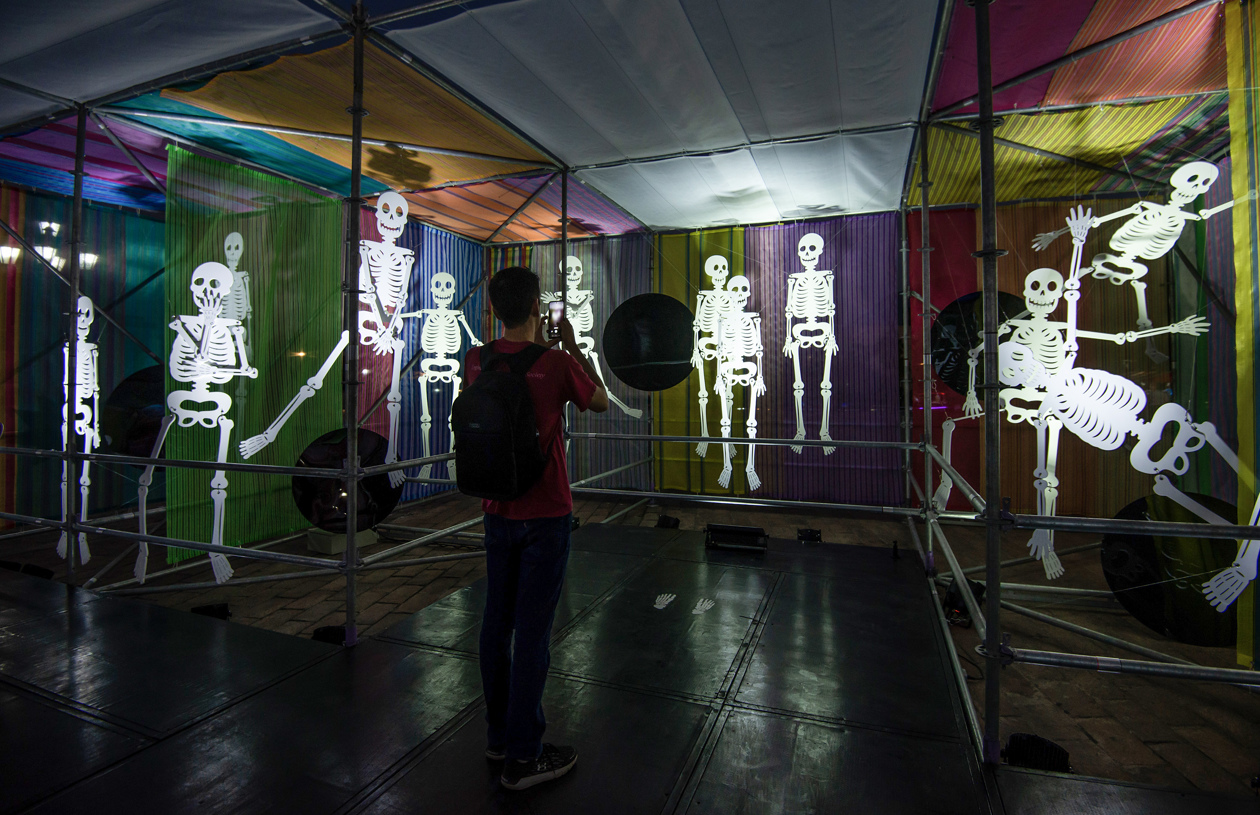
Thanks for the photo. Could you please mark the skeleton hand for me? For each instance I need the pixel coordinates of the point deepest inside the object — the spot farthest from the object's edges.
(696, 359)
(1222, 590)
(383, 342)
(1079, 222)
(1044, 239)
(702, 606)
(253, 444)
(831, 347)
(663, 600)
(1040, 544)
(759, 386)
(971, 406)
(202, 368)
(1053, 568)
(788, 346)
(1193, 326)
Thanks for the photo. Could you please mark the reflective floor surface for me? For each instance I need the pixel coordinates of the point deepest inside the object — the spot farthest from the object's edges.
(805, 679)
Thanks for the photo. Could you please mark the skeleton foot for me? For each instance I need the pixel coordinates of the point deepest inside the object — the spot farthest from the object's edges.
(754, 481)
(1222, 590)
(62, 550)
(142, 563)
(84, 554)
(253, 444)
(396, 478)
(702, 449)
(633, 413)
(724, 478)
(1050, 562)
(450, 469)
(796, 448)
(427, 469)
(825, 436)
(222, 569)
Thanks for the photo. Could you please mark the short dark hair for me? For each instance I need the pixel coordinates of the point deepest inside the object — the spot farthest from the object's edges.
(512, 294)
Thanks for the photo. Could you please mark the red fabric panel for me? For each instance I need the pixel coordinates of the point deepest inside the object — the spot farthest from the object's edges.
(1025, 34)
(954, 273)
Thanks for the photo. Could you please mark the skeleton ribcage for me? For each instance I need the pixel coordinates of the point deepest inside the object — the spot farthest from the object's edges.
(1101, 408)
(712, 304)
(440, 334)
(583, 319)
(811, 298)
(1149, 235)
(738, 337)
(220, 352)
(234, 303)
(390, 267)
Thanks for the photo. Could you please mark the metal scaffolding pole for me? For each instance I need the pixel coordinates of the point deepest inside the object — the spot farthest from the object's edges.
(925, 294)
(350, 323)
(70, 462)
(992, 472)
(733, 500)
(1055, 659)
(879, 445)
(905, 350)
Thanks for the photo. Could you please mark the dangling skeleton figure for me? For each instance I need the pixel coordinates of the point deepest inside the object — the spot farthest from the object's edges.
(439, 335)
(710, 305)
(86, 414)
(1150, 234)
(384, 275)
(208, 350)
(237, 305)
(740, 355)
(1052, 346)
(811, 299)
(579, 309)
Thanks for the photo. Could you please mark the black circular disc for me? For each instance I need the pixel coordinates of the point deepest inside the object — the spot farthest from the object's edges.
(323, 501)
(647, 342)
(132, 414)
(958, 329)
(1160, 580)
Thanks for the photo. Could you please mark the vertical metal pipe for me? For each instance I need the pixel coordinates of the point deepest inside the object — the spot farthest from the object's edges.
(72, 442)
(564, 235)
(905, 349)
(925, 249)
(350, 322)
(992, 475)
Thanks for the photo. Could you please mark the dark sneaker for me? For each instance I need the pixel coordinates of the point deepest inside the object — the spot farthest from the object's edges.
(495, 753)
(551, 763)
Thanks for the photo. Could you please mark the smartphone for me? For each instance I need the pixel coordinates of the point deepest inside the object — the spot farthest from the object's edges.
(555, 316)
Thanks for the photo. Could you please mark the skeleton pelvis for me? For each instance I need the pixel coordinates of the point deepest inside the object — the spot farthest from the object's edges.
(1177, 458)
(1118, 270)
(190, 408)
(439, 370)
(811, 335)
(1021, 404)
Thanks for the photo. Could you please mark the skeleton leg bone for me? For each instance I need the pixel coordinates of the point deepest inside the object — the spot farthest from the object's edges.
(426, 423)
(824, 429)
(726, 392)
(633, 413)
(255, 443)
(393, 404)
(218, 494)
(62, 550)
(85, 485)
(450, 464)
(940, 498)
(146, 479)
(702, 448)
(798, 394)
(750, 429)
(1041, 544)
(1226, 587)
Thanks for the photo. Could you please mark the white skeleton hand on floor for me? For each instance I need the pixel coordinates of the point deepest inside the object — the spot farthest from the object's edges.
(663, 600)
(702, 606)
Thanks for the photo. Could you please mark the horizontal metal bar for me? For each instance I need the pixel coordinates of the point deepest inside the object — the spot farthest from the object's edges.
(381, 469)
(415, 479)
(140, 461)
(424, 529)
(1127, 100)
(193, 564)
(619, 513)
(317, 134)
(890, 445)
(1062, 591)
(611, 472)
(210, 584)
(961, 483)
(1159, 529)
(750, 502)
(231, 551)
(1019, 561)
(420, 561)
(962, 583)
(102, 520)
(1150, 653)
(420, 541)
(1054, 659)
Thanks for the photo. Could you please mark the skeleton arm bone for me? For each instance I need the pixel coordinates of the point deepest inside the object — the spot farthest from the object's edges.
(255, 443)
(471, 337)
(940, 498)
(1193, 326)
(1208, 213)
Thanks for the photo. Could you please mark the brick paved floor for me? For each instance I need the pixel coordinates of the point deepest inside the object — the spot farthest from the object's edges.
(1163, 732)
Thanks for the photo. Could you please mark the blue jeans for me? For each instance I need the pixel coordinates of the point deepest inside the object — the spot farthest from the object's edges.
(525, 563)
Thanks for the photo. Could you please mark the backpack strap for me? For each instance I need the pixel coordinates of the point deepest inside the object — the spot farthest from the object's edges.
(518, 363)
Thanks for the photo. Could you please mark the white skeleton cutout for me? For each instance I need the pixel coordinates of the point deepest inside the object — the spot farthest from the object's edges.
(384, 276)
(237, 305)
(208, 349)
(811, 323)
(86, 413)
(1044, 388)
(740, 362)
(711, 304)
(1151, 232)
(439, 335)
(579, 310)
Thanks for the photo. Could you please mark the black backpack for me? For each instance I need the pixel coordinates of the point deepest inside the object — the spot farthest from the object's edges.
(497, 450)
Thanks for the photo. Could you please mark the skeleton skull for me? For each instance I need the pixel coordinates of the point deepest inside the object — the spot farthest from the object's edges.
(233, 245)
(210, 284)
(1043, 288)
(391, 215)
(740, 288)
(809, 248)
(443, 289)
(1192, 180)
(717, 268)
(86, 312)
(572, 271)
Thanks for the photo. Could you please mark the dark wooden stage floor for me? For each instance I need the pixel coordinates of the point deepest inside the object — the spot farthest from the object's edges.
(816, 682)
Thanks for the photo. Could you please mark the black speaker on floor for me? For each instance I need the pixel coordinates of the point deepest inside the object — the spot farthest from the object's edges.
(332, 634)
(666, 522)
(219, 611)
(744, 538)
(809, 537)
(1036, 753)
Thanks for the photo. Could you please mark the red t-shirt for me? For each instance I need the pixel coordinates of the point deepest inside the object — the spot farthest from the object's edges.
(554, 380)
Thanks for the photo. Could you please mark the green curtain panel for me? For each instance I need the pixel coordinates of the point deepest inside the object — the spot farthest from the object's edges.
(292, 251)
